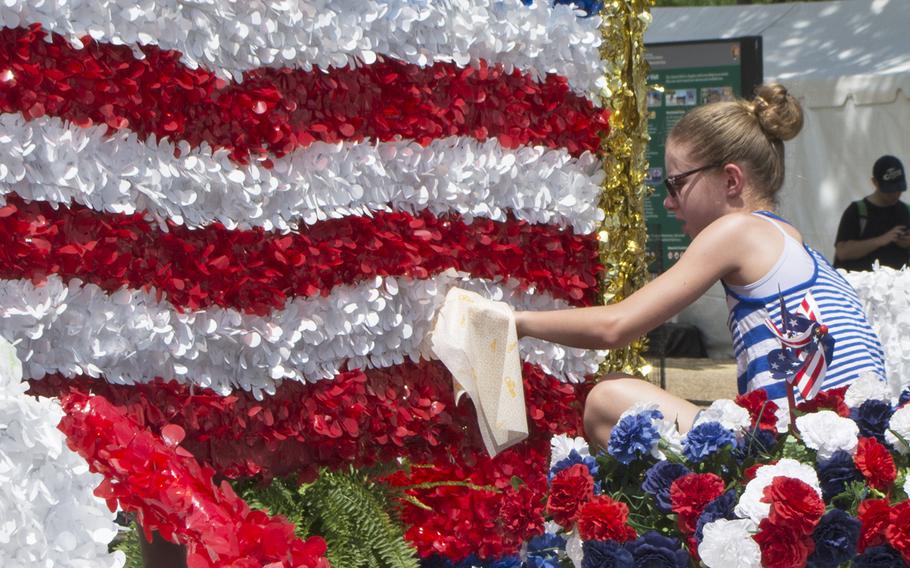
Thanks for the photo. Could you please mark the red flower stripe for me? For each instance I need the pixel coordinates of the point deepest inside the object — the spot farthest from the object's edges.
(359, 417)
(274, 111)
(463, 520)
(256, 271)
(173, 494)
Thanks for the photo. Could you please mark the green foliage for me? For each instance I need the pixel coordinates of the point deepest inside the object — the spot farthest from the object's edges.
(354, 514)
(128, 543)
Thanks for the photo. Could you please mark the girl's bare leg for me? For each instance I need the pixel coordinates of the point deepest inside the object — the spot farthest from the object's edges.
(616, 393)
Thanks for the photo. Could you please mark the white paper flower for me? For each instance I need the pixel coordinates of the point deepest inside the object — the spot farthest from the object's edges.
(574, 548)
(49, 515)
(750, 505)
(900, 424)
(866, 387)
(726, 412)
(729, 543)
(827, 432)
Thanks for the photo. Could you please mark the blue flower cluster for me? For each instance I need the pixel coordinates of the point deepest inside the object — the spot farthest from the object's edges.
(634, 436)
(705, 440)
(652, 549)
(873, 417)
(836, 472)
(835, 539)
(658, 480)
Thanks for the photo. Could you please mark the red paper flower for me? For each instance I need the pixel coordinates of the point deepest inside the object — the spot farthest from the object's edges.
(781, 547)
(898, 531)
(762, 411)
(794, 505)
(359, 417)
(602, 518)
(874, 516)
(827, 400)
(875, 462)
(522, 512)
(570, 489)
(172, 494)
(690, 494)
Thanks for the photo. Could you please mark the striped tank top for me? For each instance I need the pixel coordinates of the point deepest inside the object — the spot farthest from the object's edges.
(857, 350)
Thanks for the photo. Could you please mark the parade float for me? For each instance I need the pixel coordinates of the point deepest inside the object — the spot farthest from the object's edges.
(227, 233)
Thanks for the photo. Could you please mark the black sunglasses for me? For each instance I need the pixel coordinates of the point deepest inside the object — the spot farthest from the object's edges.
(675, 183)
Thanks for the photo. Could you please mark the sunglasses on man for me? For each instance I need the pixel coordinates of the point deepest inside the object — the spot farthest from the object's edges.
(675, 183)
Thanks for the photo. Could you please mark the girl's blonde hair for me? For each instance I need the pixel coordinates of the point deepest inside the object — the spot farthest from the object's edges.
(748, 133)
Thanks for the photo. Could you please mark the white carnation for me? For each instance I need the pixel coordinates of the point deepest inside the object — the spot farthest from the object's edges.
(750, 505)
(900, 424)
(729, 543)
(726, 412)
(561, 446)
(867, 387)
(827, 432)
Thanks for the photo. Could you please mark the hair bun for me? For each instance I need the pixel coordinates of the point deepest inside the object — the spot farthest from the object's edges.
(779, 113)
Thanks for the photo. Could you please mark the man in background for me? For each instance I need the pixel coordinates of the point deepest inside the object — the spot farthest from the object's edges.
(877, 227)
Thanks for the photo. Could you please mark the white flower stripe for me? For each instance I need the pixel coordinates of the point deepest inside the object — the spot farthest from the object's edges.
(49, 160)
(233, 36)
(130, 336)
(50, 514)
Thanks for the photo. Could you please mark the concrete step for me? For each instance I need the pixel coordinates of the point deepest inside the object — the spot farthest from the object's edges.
(701, 381)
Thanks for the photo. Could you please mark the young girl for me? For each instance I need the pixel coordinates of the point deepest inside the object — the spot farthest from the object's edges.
(724, 163)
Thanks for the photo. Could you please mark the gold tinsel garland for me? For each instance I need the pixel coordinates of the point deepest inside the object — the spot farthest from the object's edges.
(623, 233)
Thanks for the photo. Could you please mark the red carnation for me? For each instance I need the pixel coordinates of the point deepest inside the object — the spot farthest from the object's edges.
(762, 411)
(874, 515)
(827, 400)
(602, 518)
(794, 505)
(690, 494)
(571, 488)
(781, 547)
(875, 462)
(898, 531)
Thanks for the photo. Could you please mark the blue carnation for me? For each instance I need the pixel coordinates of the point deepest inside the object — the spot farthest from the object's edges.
(573, 458)
(436, 561)
(547, 543)
(835, 539)
(720, 508)
(511, 562)
(879, 557)
(634, 436)
(655, 550)
(541, 562)
(605, 554)
(835, 473)
(873, 417)
(756, 442)
(904, 398)
(658, 480)
(706, 439)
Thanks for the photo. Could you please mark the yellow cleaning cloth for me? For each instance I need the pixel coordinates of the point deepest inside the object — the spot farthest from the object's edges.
(475, 338)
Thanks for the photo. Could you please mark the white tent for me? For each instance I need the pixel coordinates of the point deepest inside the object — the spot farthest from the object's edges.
(849, 63)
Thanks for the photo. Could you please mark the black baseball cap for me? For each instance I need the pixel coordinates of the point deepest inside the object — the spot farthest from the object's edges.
(888, 172)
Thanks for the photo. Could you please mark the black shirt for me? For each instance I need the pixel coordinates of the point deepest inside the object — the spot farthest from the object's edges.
(879, 221)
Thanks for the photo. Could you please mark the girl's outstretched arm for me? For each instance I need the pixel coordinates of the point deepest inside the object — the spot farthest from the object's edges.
(717, 251)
